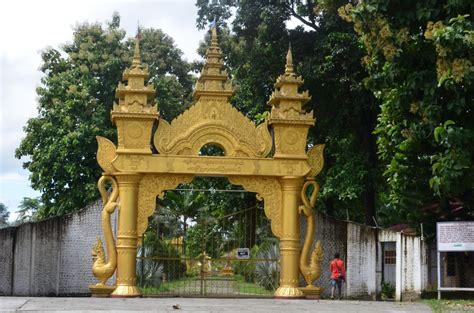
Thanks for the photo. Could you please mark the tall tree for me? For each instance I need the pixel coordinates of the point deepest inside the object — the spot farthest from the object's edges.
(74, 102)
(29, 210)
(327, 54)
(419, 55)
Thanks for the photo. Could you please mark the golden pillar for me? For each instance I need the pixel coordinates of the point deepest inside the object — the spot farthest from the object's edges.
(290, 123)
(290, 239)
(127, 236)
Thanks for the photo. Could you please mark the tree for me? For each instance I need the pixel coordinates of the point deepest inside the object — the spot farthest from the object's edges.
(419, 56)
(74, 102)
(4, 214)
(327, 54)
(30, 208)
(185, 206)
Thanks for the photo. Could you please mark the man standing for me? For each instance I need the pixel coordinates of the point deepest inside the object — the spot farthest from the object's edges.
(338, 275)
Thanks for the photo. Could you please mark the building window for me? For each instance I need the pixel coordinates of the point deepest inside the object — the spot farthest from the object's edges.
(390, 257)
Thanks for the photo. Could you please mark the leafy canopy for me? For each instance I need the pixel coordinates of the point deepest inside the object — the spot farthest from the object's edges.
(327, 54)
(74, 102)
(419, 56)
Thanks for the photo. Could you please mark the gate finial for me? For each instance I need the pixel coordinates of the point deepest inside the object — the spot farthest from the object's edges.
(289, 69)
(136, 53)
(214, 41)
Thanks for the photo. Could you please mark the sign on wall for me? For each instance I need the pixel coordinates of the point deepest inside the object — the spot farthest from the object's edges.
(455, 236)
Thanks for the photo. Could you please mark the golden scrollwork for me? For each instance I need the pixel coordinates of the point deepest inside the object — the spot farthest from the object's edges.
(212, 119)
(215, 123)
(105, 154)
(315, 159)
(268, 189)
(141, 176)
(150, 187)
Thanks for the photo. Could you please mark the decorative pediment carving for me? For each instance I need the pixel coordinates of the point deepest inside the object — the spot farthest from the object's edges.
(269, 190)
(106, 153)
(213, 121)
(150, 187)
(316, 159)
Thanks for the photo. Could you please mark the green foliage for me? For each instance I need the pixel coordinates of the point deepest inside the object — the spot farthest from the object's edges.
(455, 304)
(30, 210)
(267, 272)
(169, 261)
(388, 290)
(4, 214)
(149, 272)
(419, 55)
(74, 102)
(246, 269)
(327, 54)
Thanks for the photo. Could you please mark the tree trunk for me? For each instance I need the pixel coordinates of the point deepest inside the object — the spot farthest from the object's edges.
(185, 228)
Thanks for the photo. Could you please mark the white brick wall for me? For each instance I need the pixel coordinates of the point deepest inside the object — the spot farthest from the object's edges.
(51, 257)
(361, 261)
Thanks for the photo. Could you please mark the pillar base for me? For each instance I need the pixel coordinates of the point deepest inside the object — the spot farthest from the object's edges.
(126, 292)
(288, 293)
(101, 291)
(312, 292)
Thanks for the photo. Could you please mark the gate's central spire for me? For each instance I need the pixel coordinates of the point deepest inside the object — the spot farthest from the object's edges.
(213, 81)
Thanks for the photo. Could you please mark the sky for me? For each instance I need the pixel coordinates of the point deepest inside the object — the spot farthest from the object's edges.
(28, 27)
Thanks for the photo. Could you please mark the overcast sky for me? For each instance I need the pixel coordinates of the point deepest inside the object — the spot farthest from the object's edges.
(26, 28)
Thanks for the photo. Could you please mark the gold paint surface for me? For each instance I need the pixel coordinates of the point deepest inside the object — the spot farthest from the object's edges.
(101, 268)
(275, 168)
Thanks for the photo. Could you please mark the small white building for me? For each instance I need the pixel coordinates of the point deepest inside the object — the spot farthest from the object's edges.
(372, 256)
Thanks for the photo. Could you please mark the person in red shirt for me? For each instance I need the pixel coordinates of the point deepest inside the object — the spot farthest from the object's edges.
(338, 275)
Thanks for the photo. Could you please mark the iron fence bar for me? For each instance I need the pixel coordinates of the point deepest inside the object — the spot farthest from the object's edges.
(235, 213)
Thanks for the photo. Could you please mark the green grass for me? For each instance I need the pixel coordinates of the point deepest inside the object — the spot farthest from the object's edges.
(250, 288)
(166, 287)
(441, 306)
(191, 285)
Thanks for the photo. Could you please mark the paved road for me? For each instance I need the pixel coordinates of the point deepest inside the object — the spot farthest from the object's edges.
(201, 305)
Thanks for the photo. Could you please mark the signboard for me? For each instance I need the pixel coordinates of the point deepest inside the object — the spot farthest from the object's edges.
(455, 236)
(243, 253)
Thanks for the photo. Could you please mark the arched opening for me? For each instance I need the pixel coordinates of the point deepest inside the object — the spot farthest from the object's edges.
(192, 243)
(212, 149)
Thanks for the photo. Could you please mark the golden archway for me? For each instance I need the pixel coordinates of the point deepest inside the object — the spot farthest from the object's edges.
(281, 180)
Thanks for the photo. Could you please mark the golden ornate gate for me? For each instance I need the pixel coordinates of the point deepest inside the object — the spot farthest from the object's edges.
(275, 165)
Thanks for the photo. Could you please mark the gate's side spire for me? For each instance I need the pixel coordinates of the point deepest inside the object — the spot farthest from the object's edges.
(288, 115)
(213, 81)
(136, 109)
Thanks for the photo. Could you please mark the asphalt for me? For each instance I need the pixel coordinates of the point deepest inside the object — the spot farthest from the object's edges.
(201, 305)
